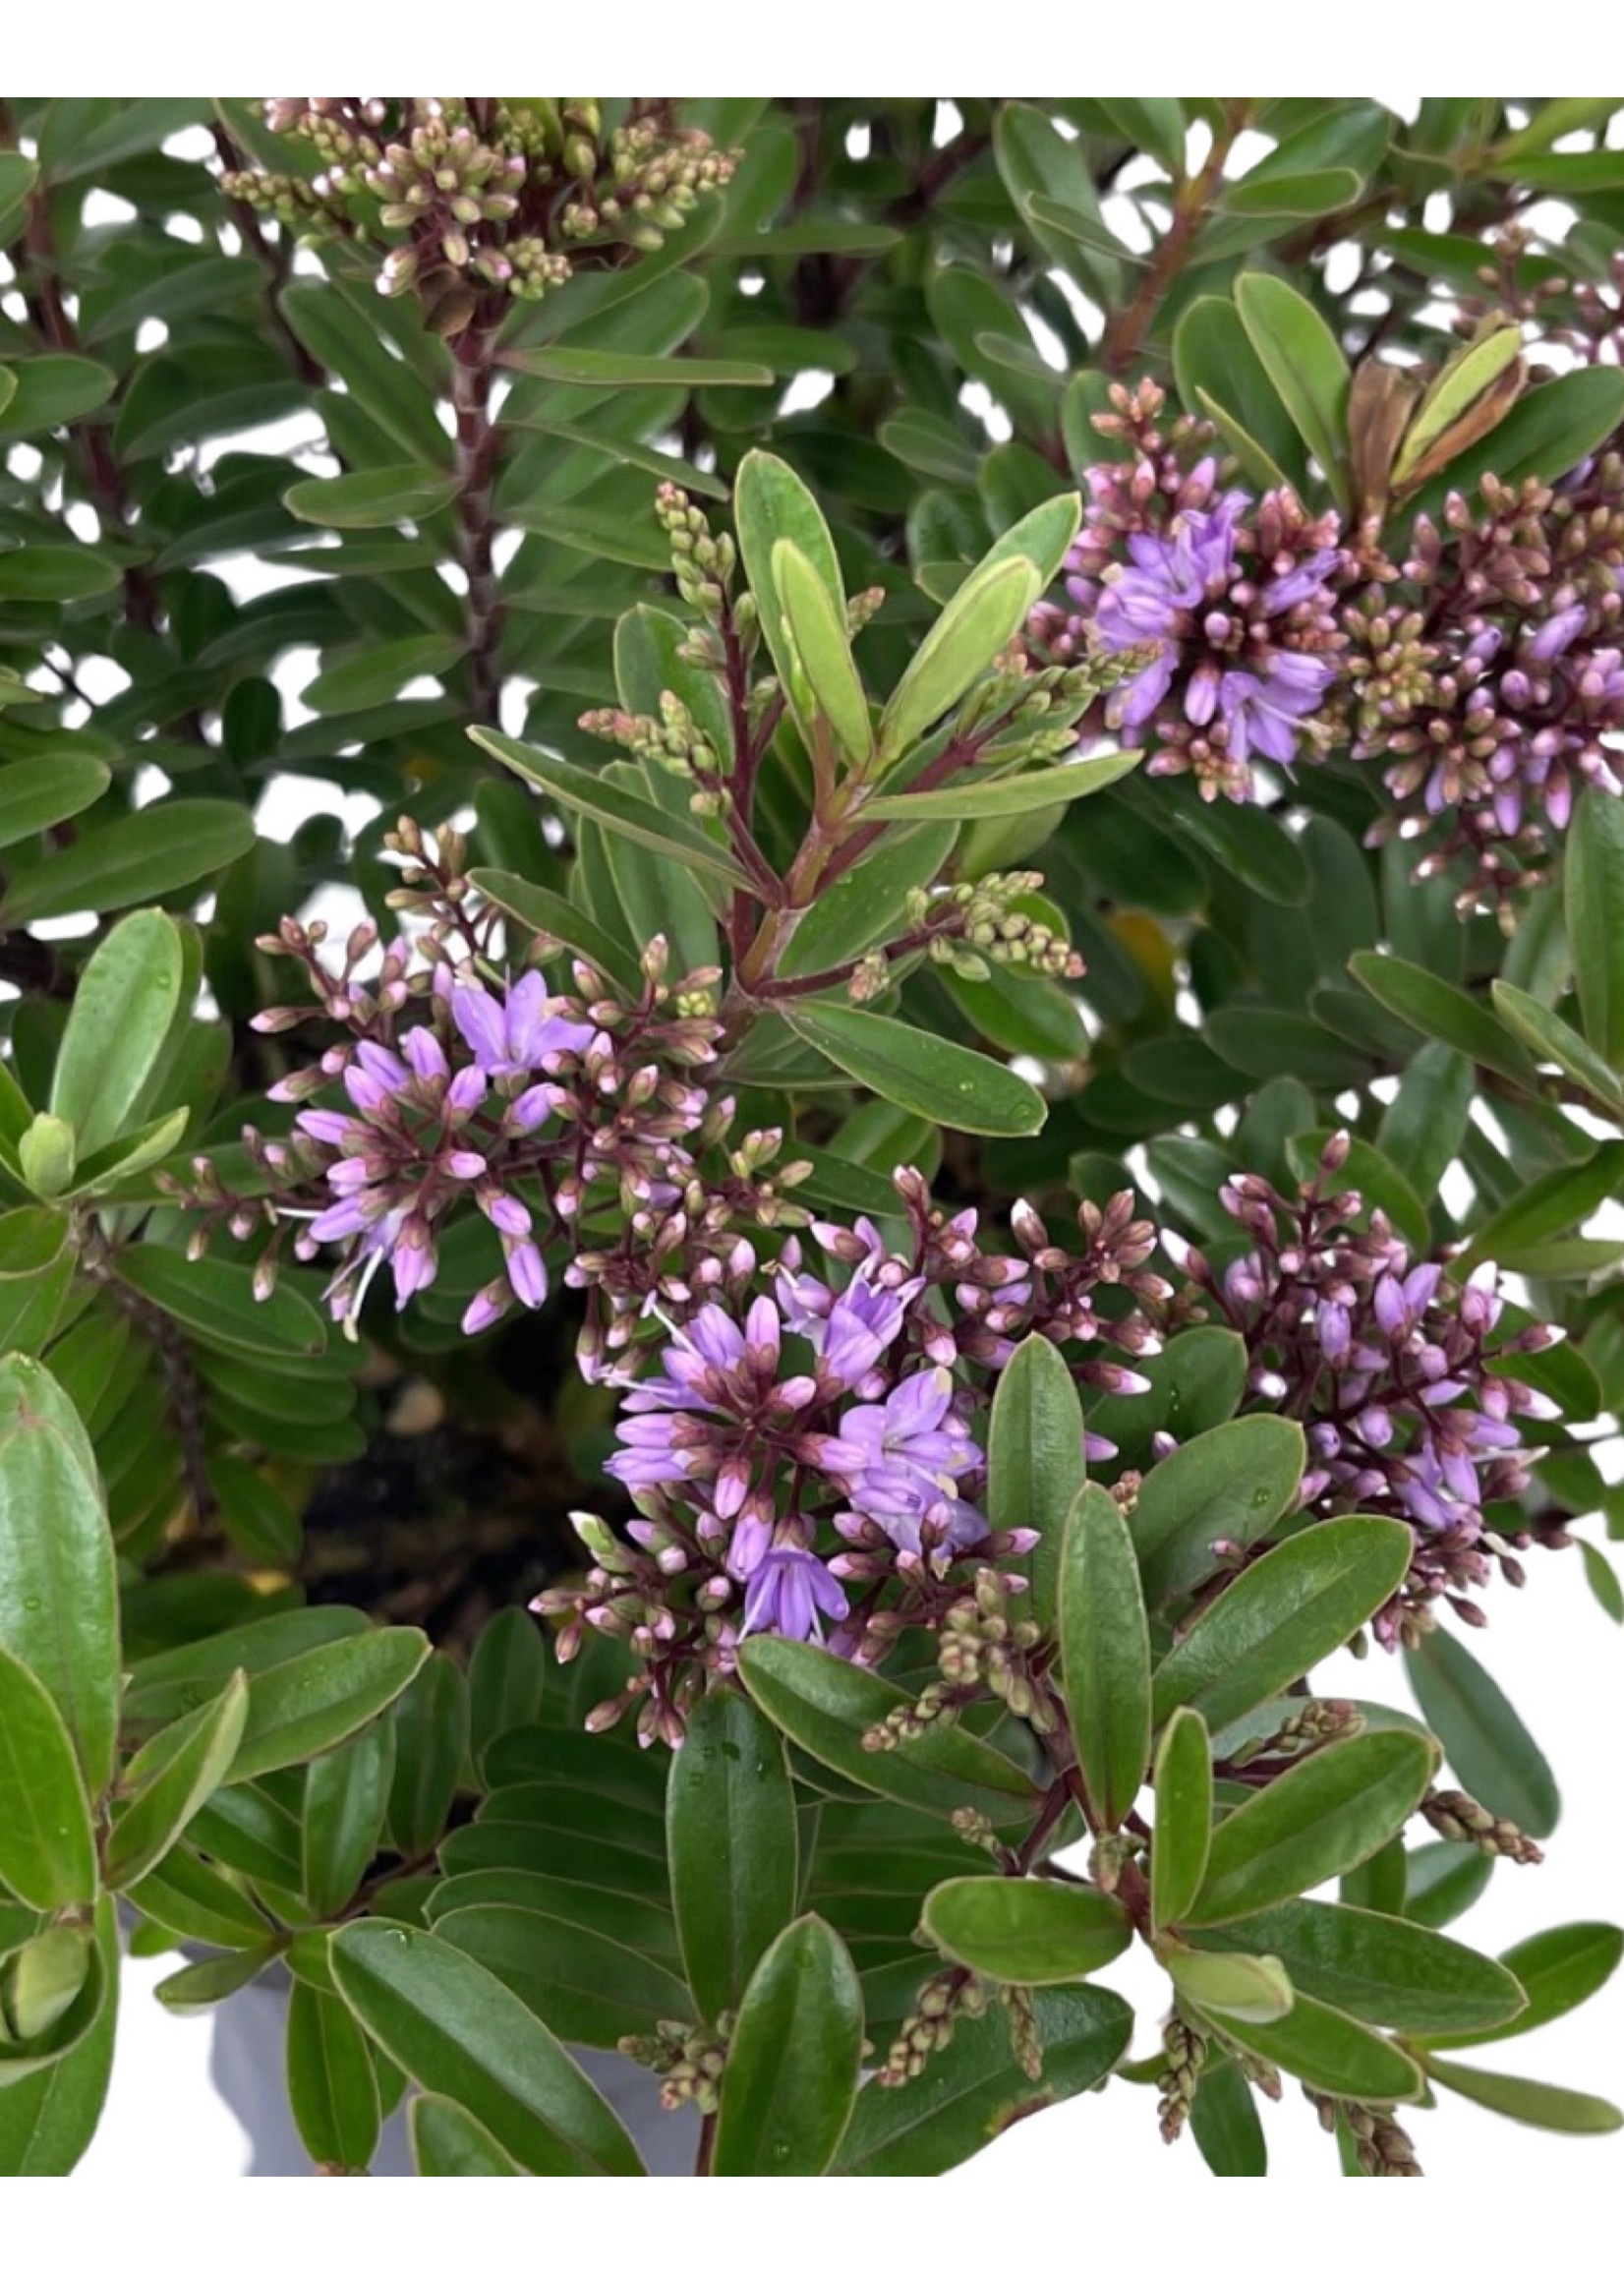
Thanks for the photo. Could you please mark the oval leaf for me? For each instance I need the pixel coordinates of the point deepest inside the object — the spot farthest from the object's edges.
(731, 1840)
(793, 2064)
(1034, 1930)
(922, 1073)
(1105, 1650)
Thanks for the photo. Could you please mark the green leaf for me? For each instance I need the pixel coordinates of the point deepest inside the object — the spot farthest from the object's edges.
(793, 2064)
(1232, 1984)
(1235, 1482)
(125, 1001)
(772, 502)
(431, 1744)
(922, 1073)
(545, 912)
(201, 1904)
(1035, 1464)
(1551, 1038)
(1558, 1970)
(1007, 795)
(988, 608)
(1546, 2107)
(51, 1987)
(1442, 1879)
(53, 390)
(825, 1705)
(589, 1988)
(1220, 376)
(1437, 1009)
(36, 1271)
(1548, 432)
(824, 650)
(1380, 1968)
(48, 2120)
(590, 367)
(53, 573)
(1329, 2050)
(47, 1850)
(1592, 897)
(1105, 1650)
(1302, 358)
(975, 2088)
(176, 1681)
(140, 856)
(1282, 1616)
(613, 807)
(1367, 1171)
(1225, 2125)
(58, 1596)
(1324, 1815)
(36, 793)
(1034, 1930)
(309, 1703)
(210, 1981)
(346, 1792)
(379, 671)
(1480, 1732)
(170, 1778)
(507, 1678)
(1195, 1385)
(457, 2031)
(1547, 1206)
(214, 1300)
(1183, 1780)
(732, 1839)
(378, 497)
(868, 903)
(332, 2086)
(448, 2143)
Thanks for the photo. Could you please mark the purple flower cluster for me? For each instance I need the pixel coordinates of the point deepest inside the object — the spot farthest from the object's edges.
(1231, 601)
(807, 1461)
(1389, 1365)
(1488, 678)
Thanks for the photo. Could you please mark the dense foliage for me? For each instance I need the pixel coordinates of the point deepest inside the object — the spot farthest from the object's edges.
(731, 1359)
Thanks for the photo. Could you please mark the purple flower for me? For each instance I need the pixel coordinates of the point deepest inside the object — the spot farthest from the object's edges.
(913, 1451)
(789, 1593)
(521, 1035)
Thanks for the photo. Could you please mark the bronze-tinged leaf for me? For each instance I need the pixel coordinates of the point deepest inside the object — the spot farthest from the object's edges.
(1378, 411)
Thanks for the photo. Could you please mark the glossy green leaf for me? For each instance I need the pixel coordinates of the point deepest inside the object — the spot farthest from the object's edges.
(974, 2090)
(507, 1678)
(1035, 1463)
(431, 1744)
(1105, 1651)
(48, 2120)
(613, 807)
(1329, 2050)
(37, 794)
(58, 1598)
(1435, 1007)
(332, 2086)
(923, 1073)
(1324, 1815)
(1480, 1730)
(1225, 2125)
(988, 608)
(1183, 1780)
(198, 1901)
(210, 1981)
(47, 1850)
(214, 1300)
(346, 1792)
(1195, 1385)
(169, 1780)
(1235, 1484)
(1558, 1970)
(37, 1271)
(1546, 2107)
(125, 1001)
(792, 2063)
(1550, 1038)
(1592, 897)
(176, 1681)
(377, 498)
(1221, 377)
(825, 1705)
(1443, 1879)
(140, 856)
(770, 502)
(457, 2031)
(731, 1840)
(448, 2143)
(1282, 1616)
(587, 366)
(545, 912)
(1300, 354)
(1378, 1968)
(823, 649)
(1034, 1930)
(53, 1987)
(309, 1703)
(589, 1988)
(1004, 796)
(53, 390)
